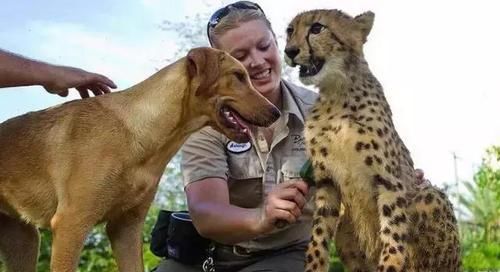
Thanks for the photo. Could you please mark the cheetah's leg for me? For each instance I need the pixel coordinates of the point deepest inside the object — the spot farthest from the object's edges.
(394, 225)
(326, 215)
(437, 246)
(348, 247)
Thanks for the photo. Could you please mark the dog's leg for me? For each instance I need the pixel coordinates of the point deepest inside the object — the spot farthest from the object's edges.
(70, 227)
(125, 234)
(19, 243)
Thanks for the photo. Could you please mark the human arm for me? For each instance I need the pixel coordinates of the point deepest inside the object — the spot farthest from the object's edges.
(16, 70)
(206, 167)
(215, 218)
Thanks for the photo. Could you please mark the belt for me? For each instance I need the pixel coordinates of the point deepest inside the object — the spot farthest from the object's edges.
(244, 252)
(233, 258)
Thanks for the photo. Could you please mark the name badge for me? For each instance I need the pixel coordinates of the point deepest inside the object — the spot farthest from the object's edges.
(236, 148)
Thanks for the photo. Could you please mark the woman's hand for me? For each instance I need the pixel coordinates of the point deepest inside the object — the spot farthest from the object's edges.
(283, 204)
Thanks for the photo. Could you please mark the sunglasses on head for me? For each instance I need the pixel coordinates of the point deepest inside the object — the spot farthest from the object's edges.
(223, 12)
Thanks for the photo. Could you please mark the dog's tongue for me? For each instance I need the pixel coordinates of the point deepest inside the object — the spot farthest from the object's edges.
(243, 125)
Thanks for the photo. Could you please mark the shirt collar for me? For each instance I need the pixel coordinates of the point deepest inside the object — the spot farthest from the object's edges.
(289, 104)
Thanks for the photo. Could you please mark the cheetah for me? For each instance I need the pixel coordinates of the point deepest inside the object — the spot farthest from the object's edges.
(366, 196)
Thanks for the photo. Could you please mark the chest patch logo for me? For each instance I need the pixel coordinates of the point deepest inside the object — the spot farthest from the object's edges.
(298, 142)
(235, 147)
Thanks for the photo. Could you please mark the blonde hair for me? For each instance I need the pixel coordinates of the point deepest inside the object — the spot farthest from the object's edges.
(234, 19)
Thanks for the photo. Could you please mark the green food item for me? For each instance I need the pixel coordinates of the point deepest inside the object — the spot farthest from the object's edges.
(306, 173)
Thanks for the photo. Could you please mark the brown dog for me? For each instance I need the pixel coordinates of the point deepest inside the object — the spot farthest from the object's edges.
(100, 159)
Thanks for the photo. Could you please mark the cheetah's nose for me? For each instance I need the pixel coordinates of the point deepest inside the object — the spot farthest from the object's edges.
(292, 52)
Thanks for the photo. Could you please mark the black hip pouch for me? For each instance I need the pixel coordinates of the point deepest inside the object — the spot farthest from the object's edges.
(174, 236)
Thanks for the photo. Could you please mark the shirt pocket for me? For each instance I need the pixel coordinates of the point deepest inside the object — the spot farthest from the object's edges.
(245, 180)
(244, 166)
(290, 170)
(290, 167)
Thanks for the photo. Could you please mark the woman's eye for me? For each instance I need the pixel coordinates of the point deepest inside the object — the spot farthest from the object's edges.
(316, 28)
(265, 47)
(239, 57)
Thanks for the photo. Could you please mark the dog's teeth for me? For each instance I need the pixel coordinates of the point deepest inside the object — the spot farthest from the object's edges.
(244, 130)
(227, 114)
(230, 118)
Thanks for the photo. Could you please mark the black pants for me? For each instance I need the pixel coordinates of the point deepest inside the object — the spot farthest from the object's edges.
(291, 259)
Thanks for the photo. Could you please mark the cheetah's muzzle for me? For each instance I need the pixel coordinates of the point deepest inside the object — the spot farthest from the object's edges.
(310, 70)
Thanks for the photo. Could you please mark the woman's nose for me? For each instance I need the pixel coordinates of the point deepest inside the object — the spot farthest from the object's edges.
(256, 60)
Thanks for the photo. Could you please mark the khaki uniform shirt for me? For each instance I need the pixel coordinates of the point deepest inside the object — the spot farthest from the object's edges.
(253, 168)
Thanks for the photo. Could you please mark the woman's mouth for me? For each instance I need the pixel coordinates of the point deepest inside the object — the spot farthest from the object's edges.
(262, 75)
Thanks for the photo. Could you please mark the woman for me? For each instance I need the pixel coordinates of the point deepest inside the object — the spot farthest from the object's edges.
(238, 192)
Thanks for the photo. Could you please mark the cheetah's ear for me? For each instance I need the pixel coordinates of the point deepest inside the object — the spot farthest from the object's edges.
(364, 22)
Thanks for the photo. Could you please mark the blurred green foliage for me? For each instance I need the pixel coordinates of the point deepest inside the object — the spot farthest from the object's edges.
(480, 205)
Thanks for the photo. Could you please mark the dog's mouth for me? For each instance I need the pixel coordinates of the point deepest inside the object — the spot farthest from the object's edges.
(311, 69)
(234, 122)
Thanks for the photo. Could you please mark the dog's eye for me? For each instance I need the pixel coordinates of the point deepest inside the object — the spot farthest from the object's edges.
(240, 76)
(289, 31)
(316, 28)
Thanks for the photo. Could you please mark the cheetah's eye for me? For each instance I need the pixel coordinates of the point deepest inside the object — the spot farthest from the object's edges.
(316, 28)
(289, 31)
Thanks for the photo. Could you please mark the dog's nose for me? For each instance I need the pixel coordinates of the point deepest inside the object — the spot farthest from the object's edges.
(292, 52)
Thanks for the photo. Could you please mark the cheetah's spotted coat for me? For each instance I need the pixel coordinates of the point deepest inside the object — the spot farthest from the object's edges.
(388, 223)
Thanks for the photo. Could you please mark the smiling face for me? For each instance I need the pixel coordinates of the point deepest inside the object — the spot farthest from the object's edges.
(222, 91)
(253, 44)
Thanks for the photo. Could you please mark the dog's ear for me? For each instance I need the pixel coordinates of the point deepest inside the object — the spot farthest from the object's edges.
(203, 69)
